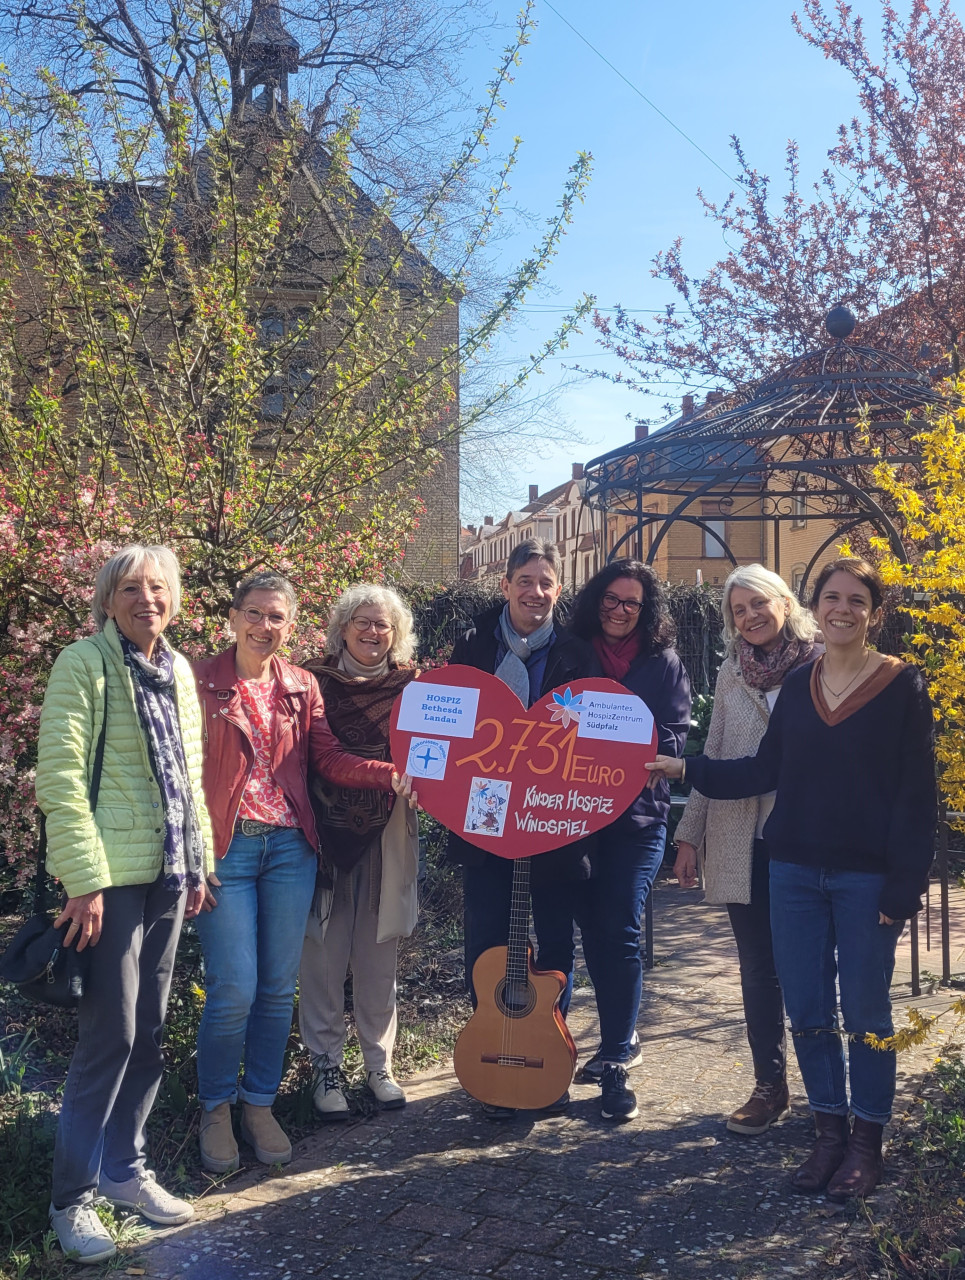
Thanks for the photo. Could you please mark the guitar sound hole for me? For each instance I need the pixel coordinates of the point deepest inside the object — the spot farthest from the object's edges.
(515, 999)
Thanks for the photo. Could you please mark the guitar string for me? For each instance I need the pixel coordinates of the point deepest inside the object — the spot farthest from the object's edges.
(517, 966)
(508, 994)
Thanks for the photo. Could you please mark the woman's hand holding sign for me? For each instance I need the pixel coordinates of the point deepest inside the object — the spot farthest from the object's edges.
(402, 786)
(665, 767)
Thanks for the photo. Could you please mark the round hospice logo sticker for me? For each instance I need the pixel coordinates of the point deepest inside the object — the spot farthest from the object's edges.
(427, 758)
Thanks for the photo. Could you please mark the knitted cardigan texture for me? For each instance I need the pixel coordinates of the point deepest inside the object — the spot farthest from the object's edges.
(724, 829)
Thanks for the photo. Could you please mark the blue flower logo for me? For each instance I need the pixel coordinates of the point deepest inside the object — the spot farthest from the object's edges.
(568, 708)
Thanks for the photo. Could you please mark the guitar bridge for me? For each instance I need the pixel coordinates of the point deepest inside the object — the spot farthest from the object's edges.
(510, 1060)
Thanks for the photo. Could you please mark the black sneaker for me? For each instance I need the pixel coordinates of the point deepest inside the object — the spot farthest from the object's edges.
(592, 1072)
(619, 1101)
(499, 1114)
(558, 1107)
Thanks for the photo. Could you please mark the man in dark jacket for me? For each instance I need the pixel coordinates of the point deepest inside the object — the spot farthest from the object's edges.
(521, 642)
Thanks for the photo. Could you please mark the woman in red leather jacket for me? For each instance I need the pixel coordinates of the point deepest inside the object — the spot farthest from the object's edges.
(264, 730)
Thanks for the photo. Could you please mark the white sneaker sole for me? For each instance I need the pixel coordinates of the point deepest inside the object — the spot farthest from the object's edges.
(627, 1115)
(162, 1220)
(73, 1256)
(333, 1115)
(751, 1130)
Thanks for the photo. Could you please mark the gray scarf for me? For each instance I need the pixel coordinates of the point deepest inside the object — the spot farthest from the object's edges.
(358, 670)
(512, 670)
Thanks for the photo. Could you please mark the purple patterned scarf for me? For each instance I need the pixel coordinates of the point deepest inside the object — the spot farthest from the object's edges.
(156, 702)
(765, 671)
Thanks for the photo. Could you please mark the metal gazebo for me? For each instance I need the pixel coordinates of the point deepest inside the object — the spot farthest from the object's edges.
(795, 447)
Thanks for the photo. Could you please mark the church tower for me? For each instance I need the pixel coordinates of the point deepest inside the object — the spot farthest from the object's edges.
(268, 57)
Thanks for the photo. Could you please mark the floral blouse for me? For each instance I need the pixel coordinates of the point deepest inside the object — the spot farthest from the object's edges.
(263, 799)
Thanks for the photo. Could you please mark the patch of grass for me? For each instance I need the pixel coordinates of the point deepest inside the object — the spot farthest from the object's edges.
(14, 1060)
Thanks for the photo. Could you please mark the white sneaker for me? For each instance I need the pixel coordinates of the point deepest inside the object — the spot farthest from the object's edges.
(142, 1192)
(82, 1235)
(385, 1089)
(328, 1097)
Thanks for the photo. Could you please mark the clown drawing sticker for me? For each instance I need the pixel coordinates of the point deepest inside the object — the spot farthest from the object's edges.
(519, 781)
(486, 814)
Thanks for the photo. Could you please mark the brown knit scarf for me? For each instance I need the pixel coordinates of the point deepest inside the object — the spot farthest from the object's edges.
(358, 711)
(765, 671)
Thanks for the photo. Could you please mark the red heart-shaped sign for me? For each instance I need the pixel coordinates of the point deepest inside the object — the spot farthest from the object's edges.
(515, 781)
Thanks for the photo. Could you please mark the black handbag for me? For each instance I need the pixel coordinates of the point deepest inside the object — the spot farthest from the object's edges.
(36, 961)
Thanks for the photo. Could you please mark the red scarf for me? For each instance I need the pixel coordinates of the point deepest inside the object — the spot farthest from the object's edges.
(616, 660)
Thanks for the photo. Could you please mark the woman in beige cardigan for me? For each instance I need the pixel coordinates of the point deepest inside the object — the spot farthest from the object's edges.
(768, 634)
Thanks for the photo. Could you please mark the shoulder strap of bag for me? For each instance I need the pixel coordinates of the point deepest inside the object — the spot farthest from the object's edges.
(40, 882)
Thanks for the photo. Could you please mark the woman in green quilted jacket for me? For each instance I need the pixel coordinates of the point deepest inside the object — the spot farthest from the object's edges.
(132, 870)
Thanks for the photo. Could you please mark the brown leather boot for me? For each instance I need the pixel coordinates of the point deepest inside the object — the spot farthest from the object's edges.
(860, 1170)
(766, 1105)
(827, 1154)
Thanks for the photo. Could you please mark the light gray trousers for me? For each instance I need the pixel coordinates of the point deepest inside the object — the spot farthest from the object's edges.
(118, 1062)
(349, 939)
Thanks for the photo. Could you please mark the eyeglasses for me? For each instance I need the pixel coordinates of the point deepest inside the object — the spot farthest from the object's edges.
(255, 617)
(610, 602)
(364, 624)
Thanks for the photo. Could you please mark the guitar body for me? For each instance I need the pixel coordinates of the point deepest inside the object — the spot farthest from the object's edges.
(516, 1050)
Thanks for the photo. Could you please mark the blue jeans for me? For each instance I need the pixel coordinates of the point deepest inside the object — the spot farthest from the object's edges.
(609, 909)
(487, 893)
(825, 926)
(252, 943)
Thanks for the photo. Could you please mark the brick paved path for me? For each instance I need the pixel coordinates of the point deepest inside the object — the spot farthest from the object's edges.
(435, 1192)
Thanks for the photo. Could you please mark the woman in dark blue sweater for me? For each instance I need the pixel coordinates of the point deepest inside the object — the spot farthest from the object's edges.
(849, 748)
(622, 611)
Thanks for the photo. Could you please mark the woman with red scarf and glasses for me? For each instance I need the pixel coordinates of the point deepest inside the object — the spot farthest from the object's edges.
(623, 612)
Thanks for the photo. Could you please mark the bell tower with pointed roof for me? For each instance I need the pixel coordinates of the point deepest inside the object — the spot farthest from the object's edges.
(269, 56)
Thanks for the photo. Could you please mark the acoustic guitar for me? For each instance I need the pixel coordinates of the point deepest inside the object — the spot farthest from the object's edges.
(516, 1050)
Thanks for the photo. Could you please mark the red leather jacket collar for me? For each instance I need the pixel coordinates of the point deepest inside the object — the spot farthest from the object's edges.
(220, 673)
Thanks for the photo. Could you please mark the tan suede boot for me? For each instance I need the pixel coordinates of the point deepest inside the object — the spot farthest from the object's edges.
(266, 1136)
(219, 1150)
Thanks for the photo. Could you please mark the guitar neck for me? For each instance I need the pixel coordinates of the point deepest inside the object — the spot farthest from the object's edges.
(517, 954)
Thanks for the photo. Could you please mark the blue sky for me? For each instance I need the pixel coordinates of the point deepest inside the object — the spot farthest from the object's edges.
(716, 69)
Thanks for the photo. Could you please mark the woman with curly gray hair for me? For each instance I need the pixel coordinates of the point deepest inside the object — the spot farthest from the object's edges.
(367, 893)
